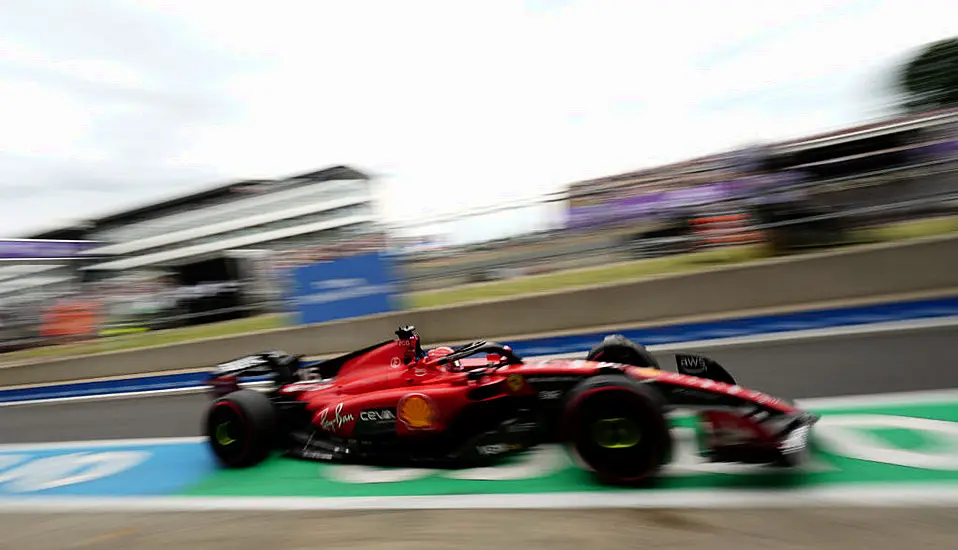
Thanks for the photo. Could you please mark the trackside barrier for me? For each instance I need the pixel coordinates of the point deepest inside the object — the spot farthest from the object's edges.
(864, 273)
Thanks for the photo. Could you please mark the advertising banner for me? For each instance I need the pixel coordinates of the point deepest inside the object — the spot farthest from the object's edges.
(36, 249)
(936, 150)
(663, 204)
(344, 288)
(654, 204)
(70, 319)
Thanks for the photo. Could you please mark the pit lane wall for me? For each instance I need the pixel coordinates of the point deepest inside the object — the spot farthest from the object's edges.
(863, 274)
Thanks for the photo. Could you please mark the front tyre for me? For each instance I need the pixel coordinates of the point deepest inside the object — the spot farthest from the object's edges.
(240, 428)
(618, 428)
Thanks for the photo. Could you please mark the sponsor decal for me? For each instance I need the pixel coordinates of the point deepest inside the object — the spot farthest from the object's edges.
(241, 363)
(497, 449)
(561, 363)
(408, 346)
(395, 362)
(378, 416)
(417, 411)
(305, 385)
(337, 421)
(337, 290)
(692, 364)
(315, 455)
(550, 395)
(515, 382)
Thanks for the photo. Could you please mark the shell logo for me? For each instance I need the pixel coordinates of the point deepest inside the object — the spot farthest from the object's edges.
(417, 412)
(515, 382)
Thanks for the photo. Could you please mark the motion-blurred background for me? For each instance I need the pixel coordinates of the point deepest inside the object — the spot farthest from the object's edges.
(103, 254)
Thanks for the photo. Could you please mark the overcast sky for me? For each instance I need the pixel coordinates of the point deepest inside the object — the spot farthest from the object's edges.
(107, 104)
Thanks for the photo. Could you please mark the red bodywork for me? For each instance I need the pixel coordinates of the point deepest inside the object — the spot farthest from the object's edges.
(427, 396)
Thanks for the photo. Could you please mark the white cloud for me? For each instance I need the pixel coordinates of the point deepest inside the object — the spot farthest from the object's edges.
(460, 104)
(25, 109)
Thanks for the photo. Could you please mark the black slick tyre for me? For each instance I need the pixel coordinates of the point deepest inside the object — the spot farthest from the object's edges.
(241, 428)
(617, 427)
(619, 349)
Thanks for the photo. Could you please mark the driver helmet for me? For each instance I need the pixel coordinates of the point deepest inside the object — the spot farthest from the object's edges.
(441, 351)
(435, 353)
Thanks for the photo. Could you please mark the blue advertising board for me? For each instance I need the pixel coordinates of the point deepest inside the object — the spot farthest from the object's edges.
(344, 288)
(43, 249)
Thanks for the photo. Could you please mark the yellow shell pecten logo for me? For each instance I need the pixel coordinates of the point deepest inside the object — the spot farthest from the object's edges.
(417, 412)
(515, 382)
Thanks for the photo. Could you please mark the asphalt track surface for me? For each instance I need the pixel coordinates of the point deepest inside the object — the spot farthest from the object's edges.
(820, 367)
(821, 529)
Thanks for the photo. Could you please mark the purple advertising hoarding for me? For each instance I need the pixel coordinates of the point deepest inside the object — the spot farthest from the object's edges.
(653, 204)
(35, 249)
(943, 149)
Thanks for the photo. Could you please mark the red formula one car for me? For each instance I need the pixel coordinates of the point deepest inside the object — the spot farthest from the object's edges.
(395, 404)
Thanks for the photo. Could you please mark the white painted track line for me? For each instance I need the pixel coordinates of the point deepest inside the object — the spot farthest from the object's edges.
(877, 496)
(122, 395)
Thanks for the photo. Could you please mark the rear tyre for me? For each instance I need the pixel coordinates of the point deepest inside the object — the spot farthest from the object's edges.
(619, 349)
(617, 428)
(241, 428)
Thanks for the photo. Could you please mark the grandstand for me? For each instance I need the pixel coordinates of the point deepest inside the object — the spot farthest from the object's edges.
(199, 257)
(879, 145)
(277, 215)
(224, 249)
(904, 161)
(896, 161)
